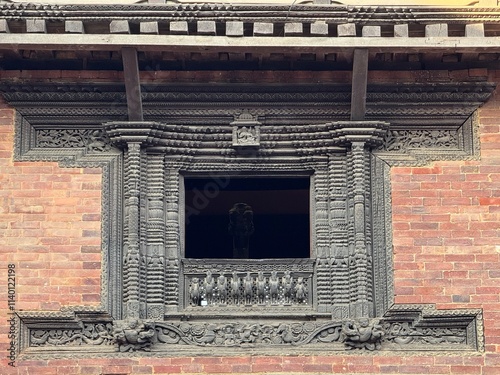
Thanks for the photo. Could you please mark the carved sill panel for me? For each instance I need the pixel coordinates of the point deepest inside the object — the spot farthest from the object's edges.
(404, 328)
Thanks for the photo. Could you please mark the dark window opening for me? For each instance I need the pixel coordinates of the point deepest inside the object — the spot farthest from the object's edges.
(280, 209)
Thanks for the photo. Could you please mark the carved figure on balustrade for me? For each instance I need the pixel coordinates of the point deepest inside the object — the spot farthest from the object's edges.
(194, 291)
(287, 282)
(363, 334)
(300, 290)
(274, 284)
(260, 284)
(241, 227)
(209, 285)
(133, 334)
(235, 288)
(248, 288)
(222, 288)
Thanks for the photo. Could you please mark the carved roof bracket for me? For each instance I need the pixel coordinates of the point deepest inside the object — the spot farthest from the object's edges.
(132, 84)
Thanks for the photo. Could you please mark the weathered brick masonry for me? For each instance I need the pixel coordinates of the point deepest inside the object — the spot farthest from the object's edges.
(446, 234)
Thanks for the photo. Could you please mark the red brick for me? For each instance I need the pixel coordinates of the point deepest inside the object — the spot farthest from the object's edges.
(218, 369)
(170, 369)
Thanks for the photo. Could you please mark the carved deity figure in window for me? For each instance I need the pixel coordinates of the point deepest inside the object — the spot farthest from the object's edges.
(241, 227)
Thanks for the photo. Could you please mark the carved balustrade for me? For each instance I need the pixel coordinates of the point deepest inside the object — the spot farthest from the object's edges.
(233, 284)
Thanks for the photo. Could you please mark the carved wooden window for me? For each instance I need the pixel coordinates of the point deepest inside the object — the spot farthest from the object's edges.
(285, 132)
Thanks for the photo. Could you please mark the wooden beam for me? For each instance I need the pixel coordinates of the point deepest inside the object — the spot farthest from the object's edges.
(359, 84)
(132, 84)
(185, 43)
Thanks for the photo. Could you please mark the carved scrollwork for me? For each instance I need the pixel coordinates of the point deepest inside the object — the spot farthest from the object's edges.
(93, 140)
(404, 334)
(89, 334)
(403, 140)
(246, 333)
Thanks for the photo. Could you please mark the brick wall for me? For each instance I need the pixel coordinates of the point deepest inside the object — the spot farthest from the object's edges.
(446, 219)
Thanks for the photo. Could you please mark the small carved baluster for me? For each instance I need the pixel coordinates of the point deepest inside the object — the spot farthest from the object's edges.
(274, 283)
(261, 287)
(287, 282)
(209, 285)
(300, 290)
(235, 288)
(248, 288)
(194, 291)
(222, 288)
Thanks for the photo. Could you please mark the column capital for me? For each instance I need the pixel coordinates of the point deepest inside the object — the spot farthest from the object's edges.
(146, 133)
(368, 132)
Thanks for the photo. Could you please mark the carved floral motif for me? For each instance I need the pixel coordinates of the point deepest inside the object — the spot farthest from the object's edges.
(405, 334)
(402, 140)
(90, 334)
(93, 140)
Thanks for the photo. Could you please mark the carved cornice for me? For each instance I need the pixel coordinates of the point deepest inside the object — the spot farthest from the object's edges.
(280, 12)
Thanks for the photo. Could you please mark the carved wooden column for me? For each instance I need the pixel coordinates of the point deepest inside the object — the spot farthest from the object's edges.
(360, 254)
(322, 245)
(352, 273)
(155, 242)
(172, 237)
(131, 279)
(144, 218)
(339, 239)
